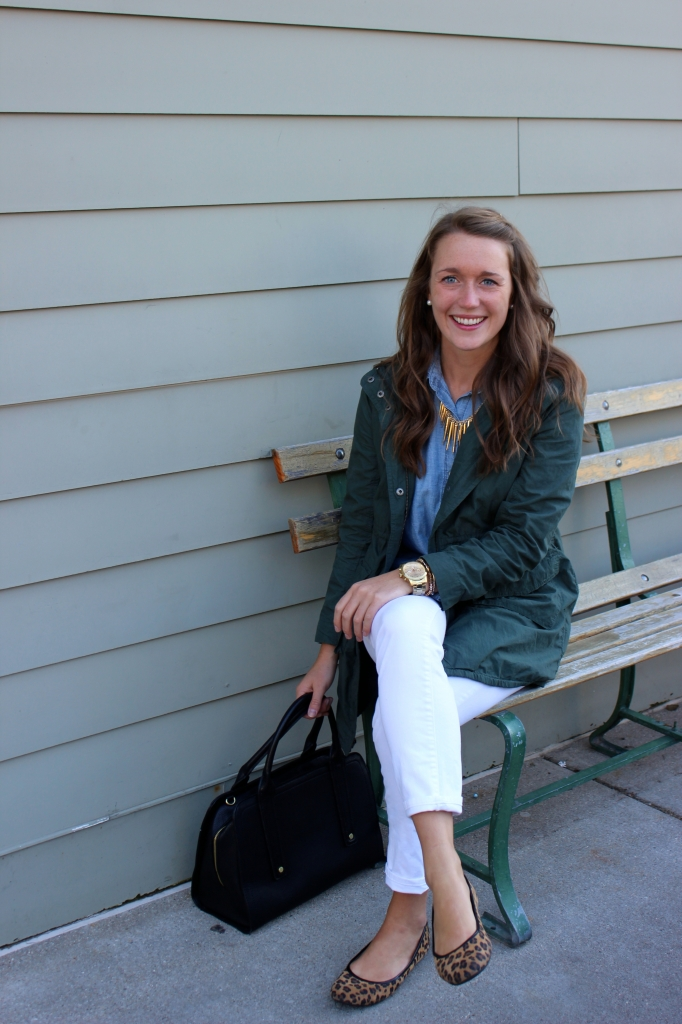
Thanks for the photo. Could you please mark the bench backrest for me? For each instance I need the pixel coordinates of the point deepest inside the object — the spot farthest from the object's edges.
(608, 466)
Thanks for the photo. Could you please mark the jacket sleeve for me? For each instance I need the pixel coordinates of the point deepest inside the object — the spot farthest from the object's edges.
(525, 522)
(357, 519)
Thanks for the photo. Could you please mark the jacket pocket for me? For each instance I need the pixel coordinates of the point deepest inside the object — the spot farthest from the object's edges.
(532, 580)
(549, 605)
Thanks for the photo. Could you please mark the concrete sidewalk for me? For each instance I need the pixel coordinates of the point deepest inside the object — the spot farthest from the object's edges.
(598, 871)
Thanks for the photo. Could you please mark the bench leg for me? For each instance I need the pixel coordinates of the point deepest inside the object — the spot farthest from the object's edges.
(515, 928)
(625, 692)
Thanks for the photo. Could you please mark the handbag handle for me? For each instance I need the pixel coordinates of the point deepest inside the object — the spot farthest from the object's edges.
(310, 745)
(291, 716)
(245, 771)
(336, 762)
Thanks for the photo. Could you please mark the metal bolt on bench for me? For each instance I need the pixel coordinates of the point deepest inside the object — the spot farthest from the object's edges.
(612, 640)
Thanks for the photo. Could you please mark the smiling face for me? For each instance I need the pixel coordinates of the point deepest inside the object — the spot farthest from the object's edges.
(470, 289)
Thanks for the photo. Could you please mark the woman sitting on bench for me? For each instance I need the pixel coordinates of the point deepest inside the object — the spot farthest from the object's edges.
(449, 575)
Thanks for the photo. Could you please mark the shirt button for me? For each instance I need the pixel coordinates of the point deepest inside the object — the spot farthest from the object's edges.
(400, 492)
(370, 380)
(380, 394)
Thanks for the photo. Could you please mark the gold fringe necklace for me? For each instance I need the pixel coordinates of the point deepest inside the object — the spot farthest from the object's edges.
(453, 429)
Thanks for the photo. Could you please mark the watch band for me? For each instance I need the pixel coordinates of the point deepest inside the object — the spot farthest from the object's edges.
(431, 583)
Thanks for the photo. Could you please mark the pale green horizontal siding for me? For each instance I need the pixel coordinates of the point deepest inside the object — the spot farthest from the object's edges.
(130, 684)
(652, 536)
(85, 350)
(89, 528)
(185, 292)
(625, 358)
(83, 162)
(97, 611)
(55, 61)
(84, 441)
(64, 259)
(99, 867)
(657, 23)
(599, 156)
(137, 764)
(605, 296)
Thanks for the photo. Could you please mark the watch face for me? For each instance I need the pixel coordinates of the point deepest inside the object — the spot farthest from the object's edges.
(415, 572)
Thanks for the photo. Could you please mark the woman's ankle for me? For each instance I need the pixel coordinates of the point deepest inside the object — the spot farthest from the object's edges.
(407, 910)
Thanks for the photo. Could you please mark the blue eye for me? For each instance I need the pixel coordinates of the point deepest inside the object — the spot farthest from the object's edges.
(488, 280)
(450, 277)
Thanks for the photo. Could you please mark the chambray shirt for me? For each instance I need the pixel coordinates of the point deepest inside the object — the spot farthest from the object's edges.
(429, 489)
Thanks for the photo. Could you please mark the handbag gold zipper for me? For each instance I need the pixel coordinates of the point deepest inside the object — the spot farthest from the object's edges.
(215, 854)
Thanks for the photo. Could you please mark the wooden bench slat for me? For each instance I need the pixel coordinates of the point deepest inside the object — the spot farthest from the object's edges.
(624, 633)
(665, 394)
(626, 613)
(637, 458)
(620, 585)
(314, 459)
(598, 665)
(318, 531)
(300, 460)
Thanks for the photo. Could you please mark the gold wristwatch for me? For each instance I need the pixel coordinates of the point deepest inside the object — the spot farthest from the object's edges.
(416, 575)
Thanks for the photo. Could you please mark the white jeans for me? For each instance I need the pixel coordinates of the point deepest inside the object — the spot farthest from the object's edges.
(416, 726)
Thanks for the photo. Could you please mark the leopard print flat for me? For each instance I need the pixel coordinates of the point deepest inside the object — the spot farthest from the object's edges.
(354, 991)
(469, 959)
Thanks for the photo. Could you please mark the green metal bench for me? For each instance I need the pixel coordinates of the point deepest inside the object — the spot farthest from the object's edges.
(610, 640)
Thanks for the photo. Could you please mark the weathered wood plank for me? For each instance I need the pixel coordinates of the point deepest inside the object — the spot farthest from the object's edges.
(624, 633)
(598, 665)
(628, 583)
(314, 459)
(318, 457)
(318, 531)
(627, 613)
(611, 405)
(637, 458)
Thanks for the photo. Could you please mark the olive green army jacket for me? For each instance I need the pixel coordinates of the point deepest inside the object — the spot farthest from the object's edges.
(503, 579)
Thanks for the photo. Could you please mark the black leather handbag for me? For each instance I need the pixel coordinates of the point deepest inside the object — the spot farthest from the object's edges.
(269, 845)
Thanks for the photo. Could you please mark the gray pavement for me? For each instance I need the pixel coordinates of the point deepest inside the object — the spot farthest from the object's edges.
(598, 871)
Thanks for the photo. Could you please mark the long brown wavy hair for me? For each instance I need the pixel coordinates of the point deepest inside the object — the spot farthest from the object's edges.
(515, 380)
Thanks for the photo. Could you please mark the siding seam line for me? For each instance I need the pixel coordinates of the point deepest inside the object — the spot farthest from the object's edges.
(139, 807)
(339, 284)
(385, 30)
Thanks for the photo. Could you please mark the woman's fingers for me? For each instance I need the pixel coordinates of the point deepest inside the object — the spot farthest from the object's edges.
(318, 680)
(368, 619)
(362, 613)
(347, 614)
(319, 704)
(354, 613)
(359, 595)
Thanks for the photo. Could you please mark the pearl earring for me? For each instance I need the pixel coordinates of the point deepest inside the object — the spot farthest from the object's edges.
(428, 302)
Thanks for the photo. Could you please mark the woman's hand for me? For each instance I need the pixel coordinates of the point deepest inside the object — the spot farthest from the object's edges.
(354, 614)
(318, 680)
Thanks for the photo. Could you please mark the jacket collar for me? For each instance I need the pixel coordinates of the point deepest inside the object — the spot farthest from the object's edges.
(377, 385)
